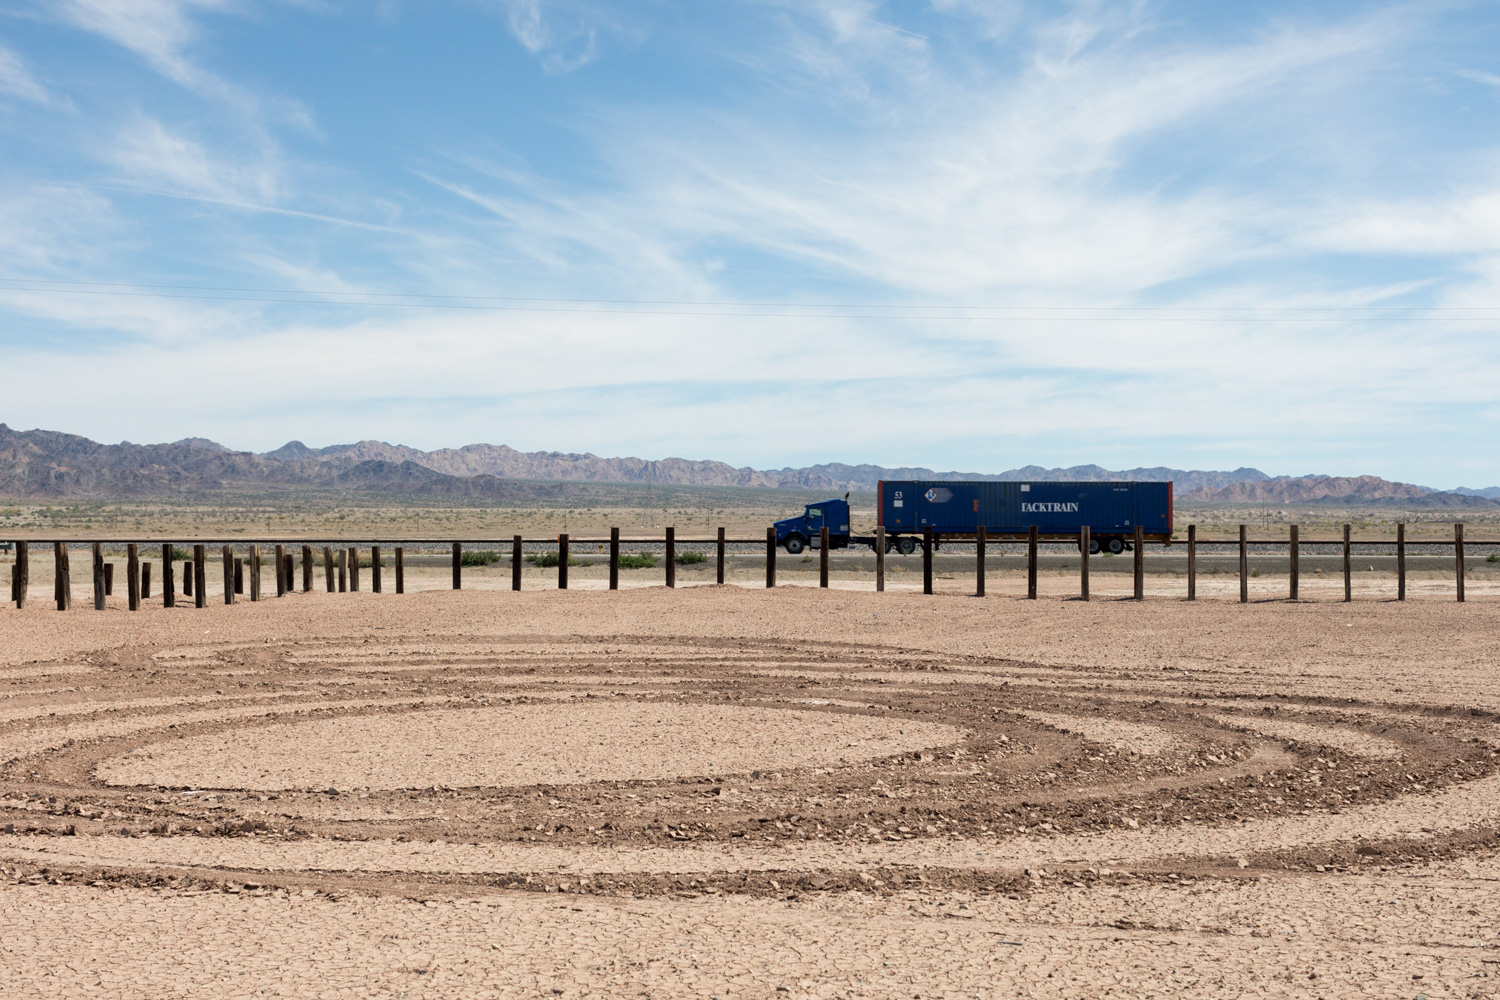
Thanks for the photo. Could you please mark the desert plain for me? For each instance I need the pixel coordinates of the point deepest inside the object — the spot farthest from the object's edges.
(734, 792)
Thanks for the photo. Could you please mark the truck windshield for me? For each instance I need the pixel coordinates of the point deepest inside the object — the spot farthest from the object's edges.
(813, 512)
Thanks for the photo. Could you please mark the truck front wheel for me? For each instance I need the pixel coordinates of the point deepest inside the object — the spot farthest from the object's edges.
(795, 544)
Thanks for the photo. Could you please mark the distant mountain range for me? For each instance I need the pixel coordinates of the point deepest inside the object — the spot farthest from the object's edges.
(41, 463)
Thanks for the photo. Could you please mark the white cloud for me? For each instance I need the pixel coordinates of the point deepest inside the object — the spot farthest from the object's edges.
(17, 81)
(152, 155)
(563, 34)
(157, 30)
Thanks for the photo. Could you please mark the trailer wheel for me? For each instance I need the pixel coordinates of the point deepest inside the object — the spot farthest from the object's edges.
(906, 545)
(1093, 546)
(1116, 546)
(795, 544)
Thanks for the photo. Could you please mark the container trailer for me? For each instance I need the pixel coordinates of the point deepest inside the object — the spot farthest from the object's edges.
(956, 510)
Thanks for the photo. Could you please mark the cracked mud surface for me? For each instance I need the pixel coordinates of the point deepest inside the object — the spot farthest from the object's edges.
(738, 793)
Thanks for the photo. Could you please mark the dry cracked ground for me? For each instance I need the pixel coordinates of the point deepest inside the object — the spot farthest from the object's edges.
(722, 792)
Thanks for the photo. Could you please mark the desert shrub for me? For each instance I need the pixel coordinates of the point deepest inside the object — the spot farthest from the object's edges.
(181, 555)
(637, 560)
(547, 559)
(479, 558)
(1494, 557)
(691, 558)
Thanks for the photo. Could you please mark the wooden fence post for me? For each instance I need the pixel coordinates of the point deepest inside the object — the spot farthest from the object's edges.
(291, 573)
(62, 583)
(233, 575)
(671, 556)
(109, 579)
(328, 569)
(1401, 561)
(1348, 578)
(1031, 563)
(1244, 567)
(770, 557)
(1083, 562)
(133, 576)
(1140, 563)
(880, 559)
(145, 581)
(979, 540)
(614, 558)
(283, 580)
(458, 566)
(516, 562)
(375, 569)
(187, 579)
(1458, 557)
(343, 559)
(98, 550)
(23, 573)
(62, 578)
(254, 572)
(823, 556)
(1192, 562)
(1294, 563)
(927, 560)
(400, 569)
(239, 576)
(562, 561)
(168, 578)
(354, 569)
(200, 576)
(719, 556)
(307, 569)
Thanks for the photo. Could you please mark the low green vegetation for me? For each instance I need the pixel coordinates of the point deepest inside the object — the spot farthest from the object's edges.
(691, 558)
(546, 559)
(485, 558)
(637, 560)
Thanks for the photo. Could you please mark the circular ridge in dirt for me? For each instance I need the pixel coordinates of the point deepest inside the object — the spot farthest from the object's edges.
(523, 745)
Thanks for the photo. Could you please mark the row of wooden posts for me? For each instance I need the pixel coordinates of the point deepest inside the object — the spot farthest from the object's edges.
(341, 566)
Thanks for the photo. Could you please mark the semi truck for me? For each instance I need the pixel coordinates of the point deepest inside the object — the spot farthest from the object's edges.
(957, 509)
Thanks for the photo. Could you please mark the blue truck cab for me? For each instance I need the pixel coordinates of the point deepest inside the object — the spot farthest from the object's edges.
(797, 533)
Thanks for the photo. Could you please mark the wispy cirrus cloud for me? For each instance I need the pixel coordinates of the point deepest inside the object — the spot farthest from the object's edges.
(18, 81)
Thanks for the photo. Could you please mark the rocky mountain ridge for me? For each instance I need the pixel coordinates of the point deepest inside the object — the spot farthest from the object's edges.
(41, 463)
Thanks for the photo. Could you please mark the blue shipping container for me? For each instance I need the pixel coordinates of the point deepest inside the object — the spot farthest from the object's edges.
(959, 508)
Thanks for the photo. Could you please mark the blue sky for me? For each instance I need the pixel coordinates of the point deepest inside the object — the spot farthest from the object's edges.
(948, 233)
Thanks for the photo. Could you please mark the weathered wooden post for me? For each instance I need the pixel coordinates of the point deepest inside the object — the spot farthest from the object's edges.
(1031, 563)
(133, 577)
(400, 570)
(168, 578)
(233, 571)
(1294, 563)
(200, 576)
(62, 583)
(562, 561)
(1083, 562)
(375, 569)
(98, 561)
(283, 579)
(109, 579)
(979, 541)
(353, 569)
(880, 559)
(1458, 557)
(614, 558)
(1140, 563)
(927, 560)
(1349, 576)
(719, 554)
(671, 557)
(823, 557)
(239, 576)
(770, 557)
(23, 573)
(307, 569)
(145, 581)
(328, 569)
(291, 573)
(98, 551)
(254, 572)
(1401, 561)
(187, 579)
(458, 565)
(1244, 567)
(1192, 562)
(517, 562)
(343, 556)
